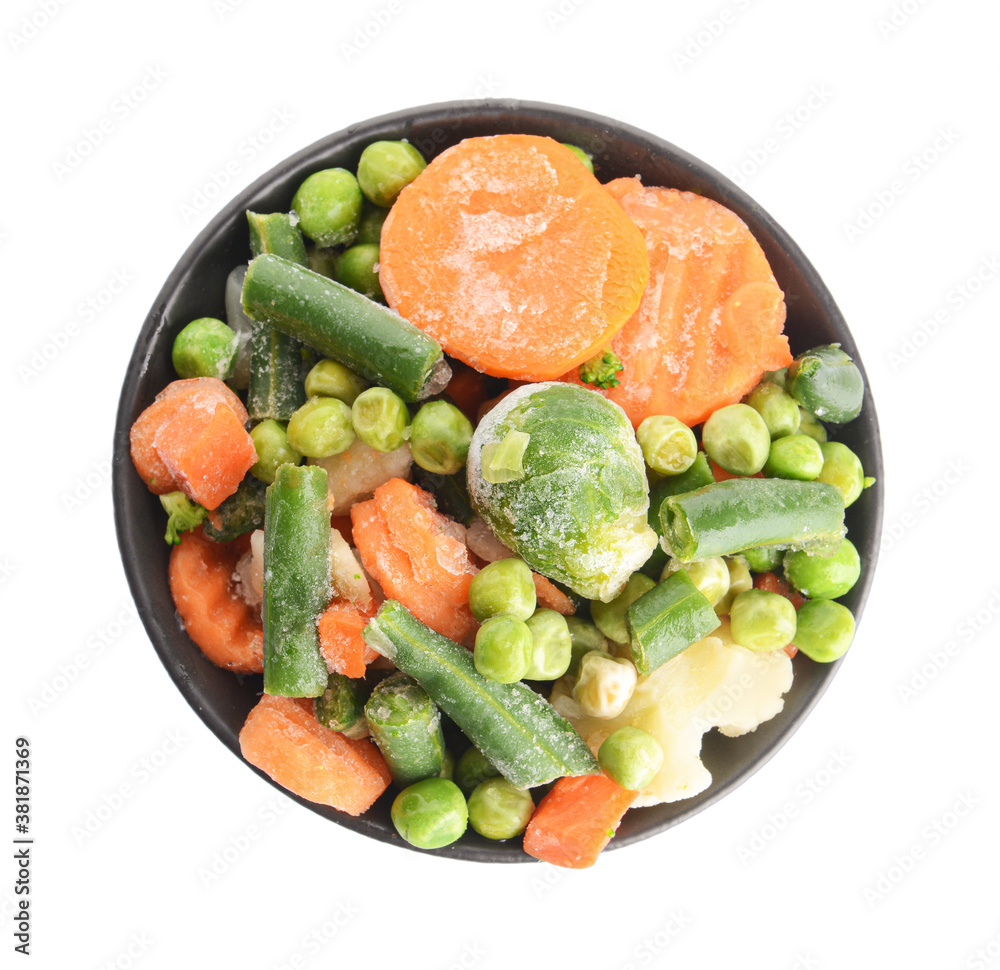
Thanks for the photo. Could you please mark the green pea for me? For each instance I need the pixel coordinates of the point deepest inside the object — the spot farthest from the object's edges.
(498, 810)
(824, 577)
(552, 645)
(328, 205)
(430, 814)
(828, 382)
(584, 157)
(825, 630)
(610, 617)
(330, 378)
(380, 418)
(273, 450)
(740, 581)
(321, 259)
(777, 407)
(386, 168)
(370, 228)
(472, 768)
(356, 268)
(797, 456)
(584, 637)
(736, 438)
(841, 467)
(631, 757)
(342, 704)
(504, 587)
(447, 766)
(668, 445)
(711, 575)
(764, 559)
(206, 347)
(604, 684)
(762, 620)
(811, 425)
(440, 436)
(321, 428)
(504, 649)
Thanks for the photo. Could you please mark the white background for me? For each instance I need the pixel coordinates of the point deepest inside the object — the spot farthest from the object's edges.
(890, 859)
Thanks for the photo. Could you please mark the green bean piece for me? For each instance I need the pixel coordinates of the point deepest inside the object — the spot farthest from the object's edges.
(504, 649)
(825, 630)
(342, 705)
(206, 347)
(842, 469)
(604, 684)
(777, 407)
(239, 514)
(811, 425)
(430, 814)
(736, 438)
(584, 157)
(297, 562)
(498, 810)
(370, 227)
(631, 757)
(668, 445)
(472, 768)
(504, 587)
(584, 638)
(552, 647)
(827, 382)
(666, 620)
(795, 456)
(328, 204)
(329, 378)
(357, 267)
(439, 437)
(740, 581)
(610, 617)
(380, 418)
(742, 513)
(824, 577)
(699, 474)
(762, 620)
(711, 576)
(276, 233)
(406, 725)
(386, 168)
(321, 428)
(273, 450)
(764, 559)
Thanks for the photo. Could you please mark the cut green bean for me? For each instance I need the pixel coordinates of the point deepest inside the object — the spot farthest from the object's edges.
(698, 475)
(276, 233)
(341, 707)
(610, 617)
(239, 514)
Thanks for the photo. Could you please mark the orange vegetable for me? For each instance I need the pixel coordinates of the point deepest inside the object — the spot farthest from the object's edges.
(511, 254)
(282, 737)
(710, 321)
(228, 631)
(721, 475)
(468, 388)
(576, 819)
(340, 640)
(551, 597)
(773, 583)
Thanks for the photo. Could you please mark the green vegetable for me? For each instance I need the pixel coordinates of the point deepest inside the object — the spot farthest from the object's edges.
(273, 450)
(206, 347)
(472, 768)
(842, 469)
(811, 425)
(498, 810)
(666, 620)
(430, 814)
(370, 228)
(824, 577)
(321, 428)
(795, 456)
(321, 259)
(668, 445)
(406, 726)
(504, 587)
(346, 326)
(827, 382)
(328, 205)
(504, 648)
(386, 168)
(515, 728)
(342, 705)
(711, 576)
(357, 268)
(742, 513)
(777, 407)
(604, 684)
(631, 757)
(736, 438)
(503, 461)
(183, 515)
(602, 369)
(276, 233)
(763, 559)
(329, 378)
(380, 418)
(825, 630)
(578, 514)
(297, 554)
(584, 157)
(552, 647)
(584, 637)
(439, 438)
(239, 514)
(448, 766)
(740, 581)
(762, 620)
(610, 617)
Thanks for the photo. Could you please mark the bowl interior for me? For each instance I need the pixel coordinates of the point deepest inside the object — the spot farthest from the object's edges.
(196, 288)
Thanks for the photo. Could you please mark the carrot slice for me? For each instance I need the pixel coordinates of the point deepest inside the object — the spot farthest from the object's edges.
(511, 254)
(218, 620)
(576, 819)
(710, 321)
(721, 475)
(773, 583)
(551, 597)
(340, 640)
(283, 738)
(414, 553)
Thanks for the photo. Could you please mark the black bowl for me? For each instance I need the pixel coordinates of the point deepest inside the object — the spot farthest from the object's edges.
(196, 288)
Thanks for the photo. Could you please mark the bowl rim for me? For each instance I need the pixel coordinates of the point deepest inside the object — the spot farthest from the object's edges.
(458, 113)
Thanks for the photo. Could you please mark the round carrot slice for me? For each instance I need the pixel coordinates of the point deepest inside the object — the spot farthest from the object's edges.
(510, 253)
(710, 322)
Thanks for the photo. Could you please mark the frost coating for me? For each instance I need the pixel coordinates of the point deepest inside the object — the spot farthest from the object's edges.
(579, 513)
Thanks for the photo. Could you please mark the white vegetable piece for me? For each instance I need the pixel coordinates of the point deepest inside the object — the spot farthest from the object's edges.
(354, 474)
(349, 580)
(604, 684)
